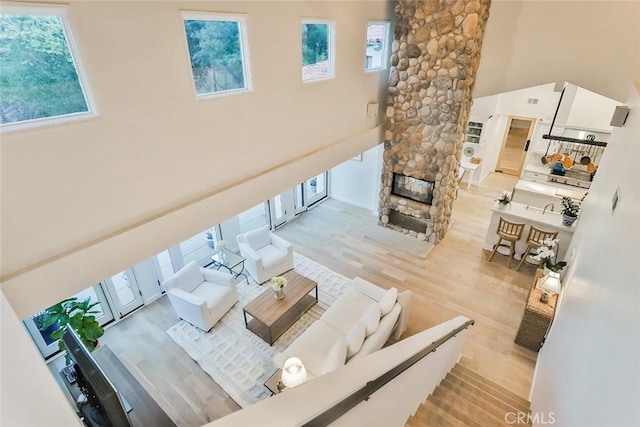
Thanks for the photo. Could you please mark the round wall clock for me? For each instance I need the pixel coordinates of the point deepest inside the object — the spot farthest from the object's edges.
(468, 151)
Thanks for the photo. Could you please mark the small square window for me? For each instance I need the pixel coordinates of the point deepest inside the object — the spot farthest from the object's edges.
(39, 82)
(317, 50)
(218, 53)
(376, 53)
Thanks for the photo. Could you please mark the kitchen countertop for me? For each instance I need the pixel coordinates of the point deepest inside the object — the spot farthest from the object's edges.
(533, 214)
(549, 190)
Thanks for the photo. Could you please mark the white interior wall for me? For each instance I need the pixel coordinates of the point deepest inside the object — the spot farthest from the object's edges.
(499, 107)
(29, 394)
(593, 44)
(358, 182)
(591, 110)
(495, 133)
(156, 165)
(482, 111)
(515, 103)
(588, 369)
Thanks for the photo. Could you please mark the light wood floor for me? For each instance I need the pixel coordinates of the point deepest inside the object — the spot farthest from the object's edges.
(455, 278)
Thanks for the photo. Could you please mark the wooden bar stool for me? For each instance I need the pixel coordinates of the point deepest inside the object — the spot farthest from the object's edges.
(511, 232)
(534, 240)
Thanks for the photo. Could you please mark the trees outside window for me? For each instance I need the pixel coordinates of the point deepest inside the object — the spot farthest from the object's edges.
(376, 56)
(216, 49)
(317, 51)
(38, 77)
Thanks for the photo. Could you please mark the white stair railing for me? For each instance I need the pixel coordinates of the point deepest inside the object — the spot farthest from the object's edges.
(315, 402)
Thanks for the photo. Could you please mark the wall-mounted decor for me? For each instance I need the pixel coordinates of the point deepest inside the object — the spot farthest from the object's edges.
(468, 151)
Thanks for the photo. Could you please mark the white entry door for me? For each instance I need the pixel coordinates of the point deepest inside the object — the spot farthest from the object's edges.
(124, 292)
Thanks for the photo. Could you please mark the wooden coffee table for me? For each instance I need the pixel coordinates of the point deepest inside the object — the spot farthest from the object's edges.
(272, 317)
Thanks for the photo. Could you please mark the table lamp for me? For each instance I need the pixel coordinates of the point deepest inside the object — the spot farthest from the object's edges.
(550, 283)
(293, 372)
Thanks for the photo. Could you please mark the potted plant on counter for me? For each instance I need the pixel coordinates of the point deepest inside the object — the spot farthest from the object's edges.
(570, 210)
(504, 200)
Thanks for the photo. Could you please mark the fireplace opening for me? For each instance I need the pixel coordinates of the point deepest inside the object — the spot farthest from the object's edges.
(415, 189)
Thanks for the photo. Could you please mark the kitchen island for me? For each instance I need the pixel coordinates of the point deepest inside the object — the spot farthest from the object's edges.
(529, 215)
(540, 194)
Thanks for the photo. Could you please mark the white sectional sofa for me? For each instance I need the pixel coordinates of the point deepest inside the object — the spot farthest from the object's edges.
(359, 323)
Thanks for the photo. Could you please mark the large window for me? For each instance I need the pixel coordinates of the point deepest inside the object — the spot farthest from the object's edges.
(317, 50)
(376, 53)
(40, 78)
(218, 52)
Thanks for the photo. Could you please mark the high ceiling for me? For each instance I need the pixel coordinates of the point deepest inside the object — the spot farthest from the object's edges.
(593, 44)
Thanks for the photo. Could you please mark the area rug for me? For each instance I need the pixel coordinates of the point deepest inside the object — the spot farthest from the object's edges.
(237, 359)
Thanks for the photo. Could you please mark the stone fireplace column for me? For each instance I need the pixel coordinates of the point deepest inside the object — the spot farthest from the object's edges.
(435, 56)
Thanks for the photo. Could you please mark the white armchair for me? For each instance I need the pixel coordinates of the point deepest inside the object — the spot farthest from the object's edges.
(201, 296)
(266, 254)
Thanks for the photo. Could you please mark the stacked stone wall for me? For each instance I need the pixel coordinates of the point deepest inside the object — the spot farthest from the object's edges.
(435, 57)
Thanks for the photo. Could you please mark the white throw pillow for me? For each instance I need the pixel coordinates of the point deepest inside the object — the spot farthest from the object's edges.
(371, 319)
(387, 302)
(355, 338)
(336, 357)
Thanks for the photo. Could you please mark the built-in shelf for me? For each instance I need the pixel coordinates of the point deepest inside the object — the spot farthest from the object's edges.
(474, 131)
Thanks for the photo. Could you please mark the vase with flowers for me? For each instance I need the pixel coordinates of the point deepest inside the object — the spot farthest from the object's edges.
(546, 255)
(504, 200)
(277, 284)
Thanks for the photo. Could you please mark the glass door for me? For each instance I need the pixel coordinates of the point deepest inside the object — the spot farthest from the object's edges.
(42, 337)
(310, 192)
(281, 208)
(163, 267)
(316, 189)
(124, 292)
(277, 212)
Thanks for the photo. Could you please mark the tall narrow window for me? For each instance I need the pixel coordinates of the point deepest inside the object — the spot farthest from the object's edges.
(218, 52)
(317, 50)
(376, 53)
(39, 78)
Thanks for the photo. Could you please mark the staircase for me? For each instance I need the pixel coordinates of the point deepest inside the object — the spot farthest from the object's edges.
(465, 398)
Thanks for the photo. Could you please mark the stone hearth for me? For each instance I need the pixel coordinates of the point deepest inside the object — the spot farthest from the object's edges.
(435, 57)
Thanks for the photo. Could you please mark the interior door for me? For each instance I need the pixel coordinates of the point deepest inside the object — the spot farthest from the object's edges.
(124, 292)
(515, 145)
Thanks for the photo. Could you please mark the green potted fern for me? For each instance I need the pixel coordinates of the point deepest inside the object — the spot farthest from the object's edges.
(80, 315)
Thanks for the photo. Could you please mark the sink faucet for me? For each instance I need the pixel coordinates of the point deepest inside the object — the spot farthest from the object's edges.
(547, 206)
